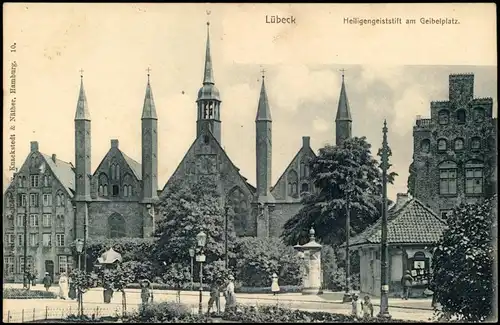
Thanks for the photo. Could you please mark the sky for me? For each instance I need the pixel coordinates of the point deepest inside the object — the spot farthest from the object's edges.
(390, 74)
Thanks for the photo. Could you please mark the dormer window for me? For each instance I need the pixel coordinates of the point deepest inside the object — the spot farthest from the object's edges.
(442, 145)
(475, 143)
(461, 116)
(444, 117)
(478, 114)
(425, 145)
(459, 144)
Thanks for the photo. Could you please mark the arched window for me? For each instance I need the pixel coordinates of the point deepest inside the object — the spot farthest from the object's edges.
(113, 171)
(103, 183)
(475, 143)
(442, 145)
(125, 190)
(116, 226)
(117, 172)
(239, 203)
(444, 116)
(19, 181)
(478, 114)
(10, 200)
(304, 188)
(425, 145)
(474, 177)
(448, 178)
(130, 193)
(46, 180)
(302, 169)
(60, 199)
(459, 144)
(293, 180)
(461, 116)
(419, 267)
(25, 182)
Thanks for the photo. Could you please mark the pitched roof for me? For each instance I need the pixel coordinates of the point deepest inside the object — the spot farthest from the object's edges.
(134, 165)
(82, 109)
(343, 110)
(263, 110)
(64, 171)
(413, 223)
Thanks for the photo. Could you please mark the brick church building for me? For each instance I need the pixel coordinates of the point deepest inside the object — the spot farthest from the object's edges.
(63, 202)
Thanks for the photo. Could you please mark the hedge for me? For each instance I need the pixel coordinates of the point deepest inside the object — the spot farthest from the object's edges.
(12, 293)
(206, 287)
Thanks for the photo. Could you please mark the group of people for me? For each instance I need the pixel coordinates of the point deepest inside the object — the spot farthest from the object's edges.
(362, 309)
(66, 290)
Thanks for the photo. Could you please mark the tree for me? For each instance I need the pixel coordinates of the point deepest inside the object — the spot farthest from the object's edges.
(258, 258)
(117, 279)
(82, 281)
(325, 209)
(188, 207)
(462, 278)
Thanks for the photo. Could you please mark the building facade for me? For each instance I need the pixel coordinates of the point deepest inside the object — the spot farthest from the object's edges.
(454, 151)
(118, 198)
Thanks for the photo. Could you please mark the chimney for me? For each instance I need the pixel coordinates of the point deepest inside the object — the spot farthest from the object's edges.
(114, 143)
(34, 146)
(54, 157)
(306, 142)
(401, 199)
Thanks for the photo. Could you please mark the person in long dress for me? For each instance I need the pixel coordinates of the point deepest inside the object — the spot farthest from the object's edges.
(229, 293)
(63, 286)
(275, 288)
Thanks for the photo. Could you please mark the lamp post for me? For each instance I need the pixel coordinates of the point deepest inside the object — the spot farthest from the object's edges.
(347, 294)
(384, 290)
(226, 227)
(201, 239)
(79, 249)
(191, 254)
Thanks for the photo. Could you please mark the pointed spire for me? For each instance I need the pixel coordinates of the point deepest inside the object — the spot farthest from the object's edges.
(343, 110)
(208, 76)
(82, 110)
(149, 108)
(263, 110)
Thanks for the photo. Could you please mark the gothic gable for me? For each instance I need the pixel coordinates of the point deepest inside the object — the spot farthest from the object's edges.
(294, 179)
(116, 178)
(206, 158)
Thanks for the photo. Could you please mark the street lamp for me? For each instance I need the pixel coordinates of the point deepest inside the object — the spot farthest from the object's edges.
(384, 292)
(191, 254)
(347, 294)
(79, 249)
(201, 239)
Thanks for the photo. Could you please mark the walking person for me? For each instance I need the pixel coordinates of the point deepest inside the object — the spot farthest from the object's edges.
(229, 294)
(146, 292)
(47, 281)
(63, 286)
(367, 308)
(214, 297)
(407, 283)
(357, 308)
(34, 276)
(275, 288)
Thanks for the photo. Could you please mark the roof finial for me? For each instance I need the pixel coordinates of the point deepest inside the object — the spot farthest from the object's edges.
(81, 73)
(208, 20)
(342, 71)
(148, 70)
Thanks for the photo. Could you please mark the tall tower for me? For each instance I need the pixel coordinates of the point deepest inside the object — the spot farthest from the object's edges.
(149, 132)
(263, 145)
(263, 150)
(208, 102)
(343, 121)
(82, 163)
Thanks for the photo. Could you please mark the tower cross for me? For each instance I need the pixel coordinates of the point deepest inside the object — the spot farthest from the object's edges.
(342, 71)
(148, 71)
(263, 73)
(81, 73)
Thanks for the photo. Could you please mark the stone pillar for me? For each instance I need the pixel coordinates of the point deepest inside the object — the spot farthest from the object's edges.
(311, 254)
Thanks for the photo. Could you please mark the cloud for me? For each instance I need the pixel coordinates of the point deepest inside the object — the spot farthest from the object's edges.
(414, 101)
(298, 84)
(320, 124)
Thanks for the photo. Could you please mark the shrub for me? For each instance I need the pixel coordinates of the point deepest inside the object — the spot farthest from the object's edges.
(258, 258)
(279, 314)
(165, 312)
(12, 293)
